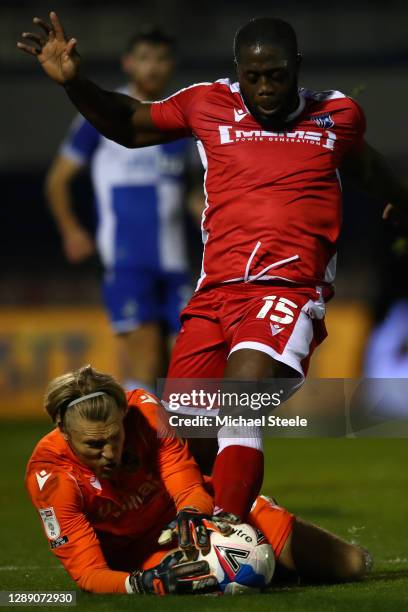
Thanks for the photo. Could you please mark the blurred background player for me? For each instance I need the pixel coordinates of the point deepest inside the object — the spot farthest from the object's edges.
(140, 235)
(386, 354)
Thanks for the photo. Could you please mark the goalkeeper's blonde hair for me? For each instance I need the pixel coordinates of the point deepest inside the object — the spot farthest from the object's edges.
(73, 385)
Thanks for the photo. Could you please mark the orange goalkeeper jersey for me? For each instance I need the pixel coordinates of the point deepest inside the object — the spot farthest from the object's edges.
(101, 530)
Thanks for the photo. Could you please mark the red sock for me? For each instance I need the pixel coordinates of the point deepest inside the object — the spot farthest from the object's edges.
(237, 478)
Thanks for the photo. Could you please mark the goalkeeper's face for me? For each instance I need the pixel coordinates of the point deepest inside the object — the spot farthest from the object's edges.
(98, 444)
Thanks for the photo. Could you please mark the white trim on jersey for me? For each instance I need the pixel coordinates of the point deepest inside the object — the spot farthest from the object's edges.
(180, 91)
(330, 273)
(298, 110)
(235, 88)
(204, 233)
(339, 179)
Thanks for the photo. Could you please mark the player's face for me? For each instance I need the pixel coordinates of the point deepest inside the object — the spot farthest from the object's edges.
(98, 444)
(268, 82)
(149, 67)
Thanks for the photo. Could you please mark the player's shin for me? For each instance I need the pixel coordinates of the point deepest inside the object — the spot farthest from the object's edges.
(305, 549)
(324, 557)
(238, 470)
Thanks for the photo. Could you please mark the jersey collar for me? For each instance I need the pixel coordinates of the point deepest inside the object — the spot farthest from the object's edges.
(235, 88)
(298, 110)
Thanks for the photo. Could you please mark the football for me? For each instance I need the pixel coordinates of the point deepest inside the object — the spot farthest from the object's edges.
(243, 562)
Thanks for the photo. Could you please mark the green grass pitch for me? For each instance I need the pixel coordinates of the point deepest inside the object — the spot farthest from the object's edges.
(354, 487)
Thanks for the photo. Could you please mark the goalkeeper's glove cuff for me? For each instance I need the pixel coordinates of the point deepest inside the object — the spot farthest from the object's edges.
(134, 583)
(175, 576)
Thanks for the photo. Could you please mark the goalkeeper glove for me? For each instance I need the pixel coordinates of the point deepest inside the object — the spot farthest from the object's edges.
(175, 576)
(189, 525)
(192, 528)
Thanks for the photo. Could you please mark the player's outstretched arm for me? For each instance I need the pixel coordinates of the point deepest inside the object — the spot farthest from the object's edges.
(370, 171)
(116, 116)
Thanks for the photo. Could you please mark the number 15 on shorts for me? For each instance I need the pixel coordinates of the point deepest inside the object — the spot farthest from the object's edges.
(276, 307)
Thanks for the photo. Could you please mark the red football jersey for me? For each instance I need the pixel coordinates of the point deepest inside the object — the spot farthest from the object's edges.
(273, 199)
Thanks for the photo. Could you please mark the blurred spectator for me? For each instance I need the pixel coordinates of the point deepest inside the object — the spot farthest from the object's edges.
(387, 359)
(139, 196)
(387, 351)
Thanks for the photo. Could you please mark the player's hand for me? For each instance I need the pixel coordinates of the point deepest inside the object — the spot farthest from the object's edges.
(175, 576)
(57, 55)
(78, 245)
(190, 530)
(225, 519)
(193, 529)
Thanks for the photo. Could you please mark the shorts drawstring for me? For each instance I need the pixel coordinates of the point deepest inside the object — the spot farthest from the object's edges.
(277, 264)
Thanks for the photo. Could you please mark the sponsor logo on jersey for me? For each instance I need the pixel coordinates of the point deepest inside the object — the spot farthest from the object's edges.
(239, 114)
(51, 524)
(142, 496)
(42, 478)
(229, 134)
(323, 121)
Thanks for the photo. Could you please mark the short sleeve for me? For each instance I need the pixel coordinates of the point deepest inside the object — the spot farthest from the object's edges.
(175, 112)
(81, 142)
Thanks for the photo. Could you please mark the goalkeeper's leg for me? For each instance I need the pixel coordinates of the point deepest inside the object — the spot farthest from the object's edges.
(305, 549)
